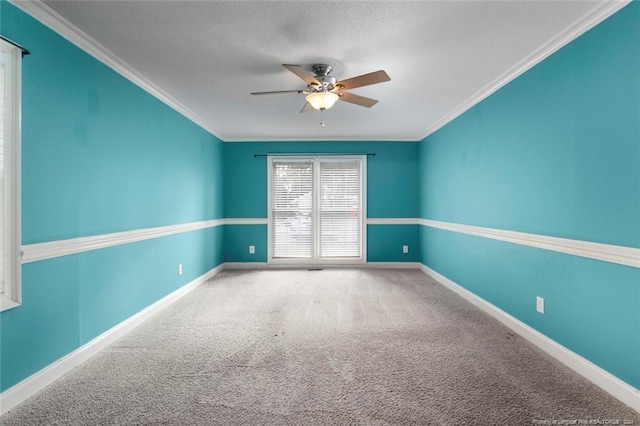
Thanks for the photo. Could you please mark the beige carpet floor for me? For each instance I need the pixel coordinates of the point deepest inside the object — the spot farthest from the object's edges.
(353, 347)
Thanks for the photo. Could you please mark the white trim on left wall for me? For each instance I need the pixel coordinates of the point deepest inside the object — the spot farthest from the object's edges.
(38, 381)
(50, 249)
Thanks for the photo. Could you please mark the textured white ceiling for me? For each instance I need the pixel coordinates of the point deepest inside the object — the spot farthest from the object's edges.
(210, 55)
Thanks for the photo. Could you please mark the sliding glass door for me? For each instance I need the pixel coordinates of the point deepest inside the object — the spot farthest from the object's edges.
(316, 209)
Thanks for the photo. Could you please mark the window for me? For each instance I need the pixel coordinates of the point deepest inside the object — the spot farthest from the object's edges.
(316, 209)
(10, 58)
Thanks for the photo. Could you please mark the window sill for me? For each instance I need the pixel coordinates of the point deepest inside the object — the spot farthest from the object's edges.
(6, 303)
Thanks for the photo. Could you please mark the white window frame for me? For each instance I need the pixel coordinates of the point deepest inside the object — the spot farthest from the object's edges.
(317, 261)
(12, 59)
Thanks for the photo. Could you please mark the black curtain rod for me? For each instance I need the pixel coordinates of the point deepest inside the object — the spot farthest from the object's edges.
(311, 154)
(22, 49)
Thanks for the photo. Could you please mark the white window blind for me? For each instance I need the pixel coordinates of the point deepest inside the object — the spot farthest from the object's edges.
(340, 208)
(2, 183)
(292, 209)
(317, 209)
(10, 60)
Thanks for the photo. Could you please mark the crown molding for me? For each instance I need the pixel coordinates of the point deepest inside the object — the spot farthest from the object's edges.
(43, 13)
(581, 26)
(50, 18)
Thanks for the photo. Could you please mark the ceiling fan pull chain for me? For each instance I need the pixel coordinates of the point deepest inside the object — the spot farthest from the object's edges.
(322, 118)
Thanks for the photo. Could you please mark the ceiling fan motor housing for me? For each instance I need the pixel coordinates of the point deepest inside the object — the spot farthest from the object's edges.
(321, 69)
(327, 83)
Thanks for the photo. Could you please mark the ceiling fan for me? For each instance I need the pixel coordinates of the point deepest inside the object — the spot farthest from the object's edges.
(323, 90)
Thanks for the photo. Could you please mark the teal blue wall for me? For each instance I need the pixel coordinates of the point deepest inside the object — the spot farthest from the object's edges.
(238, 238)
(392, 192)
(100, 155)
(555, 152)
(384, 243)
(392, 175)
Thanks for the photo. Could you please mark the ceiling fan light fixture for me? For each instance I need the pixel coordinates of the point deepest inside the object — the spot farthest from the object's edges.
(322, 100)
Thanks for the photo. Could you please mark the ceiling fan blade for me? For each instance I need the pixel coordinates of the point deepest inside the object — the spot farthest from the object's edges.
(364, 80)
(357, 99)
(302, 73)
(306, 108)
(277, 91)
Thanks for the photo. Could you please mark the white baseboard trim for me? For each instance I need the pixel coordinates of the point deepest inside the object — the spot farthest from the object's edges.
(391, 265)
(611, 384)
(38, 381)
(245, 265)
(368, 265)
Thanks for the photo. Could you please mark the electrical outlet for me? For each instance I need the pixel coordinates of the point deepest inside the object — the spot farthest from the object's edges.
(540, 304)
(180, 269)
(405, 249)
(252, 249)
